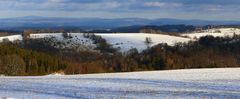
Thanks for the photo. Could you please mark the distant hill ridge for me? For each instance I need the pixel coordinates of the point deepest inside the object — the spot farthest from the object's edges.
(37, 21)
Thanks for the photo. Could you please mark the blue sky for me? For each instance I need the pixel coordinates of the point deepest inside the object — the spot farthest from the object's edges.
(152, 9)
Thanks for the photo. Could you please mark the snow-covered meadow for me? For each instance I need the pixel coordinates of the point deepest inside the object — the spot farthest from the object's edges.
(221, 32)
(11, 38)
(122, 41)
(221, 83)
(127, 41)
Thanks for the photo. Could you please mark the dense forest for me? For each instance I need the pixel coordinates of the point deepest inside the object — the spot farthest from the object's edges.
(37, 57)
(18, 61)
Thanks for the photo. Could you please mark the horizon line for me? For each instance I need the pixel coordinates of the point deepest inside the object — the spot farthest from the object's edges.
(114, 18)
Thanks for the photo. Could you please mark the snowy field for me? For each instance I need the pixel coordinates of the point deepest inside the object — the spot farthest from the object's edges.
(127, 41)
(222, 32)
(11, 38)
(123, 41)
(222, 83)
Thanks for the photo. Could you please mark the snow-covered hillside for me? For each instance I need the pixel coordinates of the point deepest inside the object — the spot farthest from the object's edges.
(11, 38)
(76, 41)
(126, 41)
(123, 41)
(221, 83)
(222, 32)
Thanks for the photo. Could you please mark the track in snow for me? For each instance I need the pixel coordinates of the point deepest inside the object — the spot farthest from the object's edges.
(192, 83)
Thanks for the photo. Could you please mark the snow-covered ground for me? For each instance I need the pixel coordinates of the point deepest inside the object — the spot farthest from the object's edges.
(221, 83)
(11, 38)
(123, 41)
(76, 41)
(222, 32)
(127, 41)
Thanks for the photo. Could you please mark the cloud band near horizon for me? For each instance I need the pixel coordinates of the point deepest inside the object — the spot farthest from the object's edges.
(182, 9)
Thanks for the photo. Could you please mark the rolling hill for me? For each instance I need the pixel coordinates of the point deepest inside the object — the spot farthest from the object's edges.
(125, 41)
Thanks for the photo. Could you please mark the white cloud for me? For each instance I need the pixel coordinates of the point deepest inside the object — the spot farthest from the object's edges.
(229, 9)
(213, 8)
(56, 1)
(162, 4)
